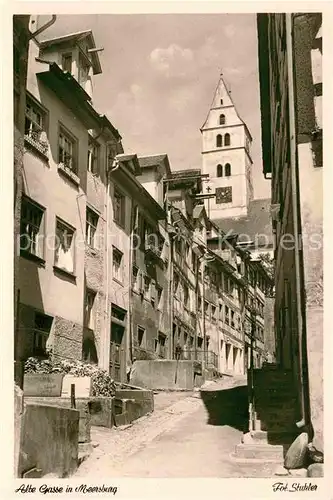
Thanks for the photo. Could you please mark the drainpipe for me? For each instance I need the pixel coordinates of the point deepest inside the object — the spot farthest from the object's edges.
(171, 248)
(107, 256)
(106, 353)
(135, 210)
(203, 317)
(297, 230)
(43, 28)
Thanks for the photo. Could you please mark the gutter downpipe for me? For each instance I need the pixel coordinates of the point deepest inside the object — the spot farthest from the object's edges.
(204, 364)
(171, 242)
(43, 28)
(135, 210)
(297, 230)
(106, 358)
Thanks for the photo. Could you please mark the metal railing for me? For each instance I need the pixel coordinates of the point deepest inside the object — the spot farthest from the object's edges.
(200, 355)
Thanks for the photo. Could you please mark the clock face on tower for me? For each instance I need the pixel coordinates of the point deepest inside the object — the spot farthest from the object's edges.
(223, 195)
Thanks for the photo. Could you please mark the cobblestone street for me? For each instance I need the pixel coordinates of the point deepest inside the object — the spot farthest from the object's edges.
(175, 441)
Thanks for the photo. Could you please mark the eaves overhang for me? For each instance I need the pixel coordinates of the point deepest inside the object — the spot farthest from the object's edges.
(124, 178)
(265, 98)
(70, 92)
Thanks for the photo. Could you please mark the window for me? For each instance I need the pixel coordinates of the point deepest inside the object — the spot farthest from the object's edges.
(214, 313)
(222, 119)
(160, 345)
(64, 251)
(89, 320)
(199, 342)
(178, 245)
(135, 278)
(159, 292)
(227, 140)
(147, 283)
(31, 228)
(67, 62)
(175, 283)
(35, 126)
(219, 141)
(42, 330)
(67, 150)
(91, 227)
(83, 70)
(194, 261)
(226, 315)
(117, 265)
(119, 207)
(221, 102)
(206, 308)
(227, 169)
(93, 156)
(141, 336)
(199, 306)
(232, 319)
(219, 171)
(186, 296)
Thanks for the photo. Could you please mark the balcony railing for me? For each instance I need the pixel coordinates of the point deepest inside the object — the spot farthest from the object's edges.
(34, 138)
(201, 355)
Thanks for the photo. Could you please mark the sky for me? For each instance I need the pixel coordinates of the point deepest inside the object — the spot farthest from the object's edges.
(159, 75)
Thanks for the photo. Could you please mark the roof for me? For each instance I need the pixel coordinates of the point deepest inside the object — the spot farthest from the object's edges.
(75, 38)
(255, 227)
(153, 160)
(189, 179)
(186, 173)
(221, 79)
(265, 97)
(198, 211)
(71, 93)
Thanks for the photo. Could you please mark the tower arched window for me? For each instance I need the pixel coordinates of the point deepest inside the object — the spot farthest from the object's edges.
(227, 140)
(219, 171)
(222, 119)
(219, 141)
(227, 170)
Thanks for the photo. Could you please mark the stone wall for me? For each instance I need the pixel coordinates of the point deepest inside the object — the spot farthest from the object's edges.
(49, 439)
(164, 374)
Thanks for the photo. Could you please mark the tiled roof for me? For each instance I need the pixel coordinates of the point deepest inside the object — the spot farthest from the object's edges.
(186, 173)
(74, 38)
(65, 38)
(151, 161)
(256, 227)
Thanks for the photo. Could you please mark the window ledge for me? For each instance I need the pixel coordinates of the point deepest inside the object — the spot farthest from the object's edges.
(39, 148)
(32, 257)
(69, 174)
(64, 272)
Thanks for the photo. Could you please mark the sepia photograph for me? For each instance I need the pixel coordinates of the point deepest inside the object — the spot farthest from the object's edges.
(168, 247)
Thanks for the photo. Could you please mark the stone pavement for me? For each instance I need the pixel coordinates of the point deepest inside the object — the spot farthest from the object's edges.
(175, 441)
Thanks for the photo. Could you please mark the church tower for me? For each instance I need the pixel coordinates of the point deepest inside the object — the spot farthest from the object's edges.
(226, 157)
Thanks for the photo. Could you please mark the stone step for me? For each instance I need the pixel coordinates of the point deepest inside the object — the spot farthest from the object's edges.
(264, 452)
(264, 437)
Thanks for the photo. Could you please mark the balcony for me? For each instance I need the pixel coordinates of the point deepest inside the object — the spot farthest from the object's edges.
(153, 252)
(36, 139)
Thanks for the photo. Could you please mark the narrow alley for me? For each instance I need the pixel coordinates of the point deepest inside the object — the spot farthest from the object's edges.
(182, 438)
